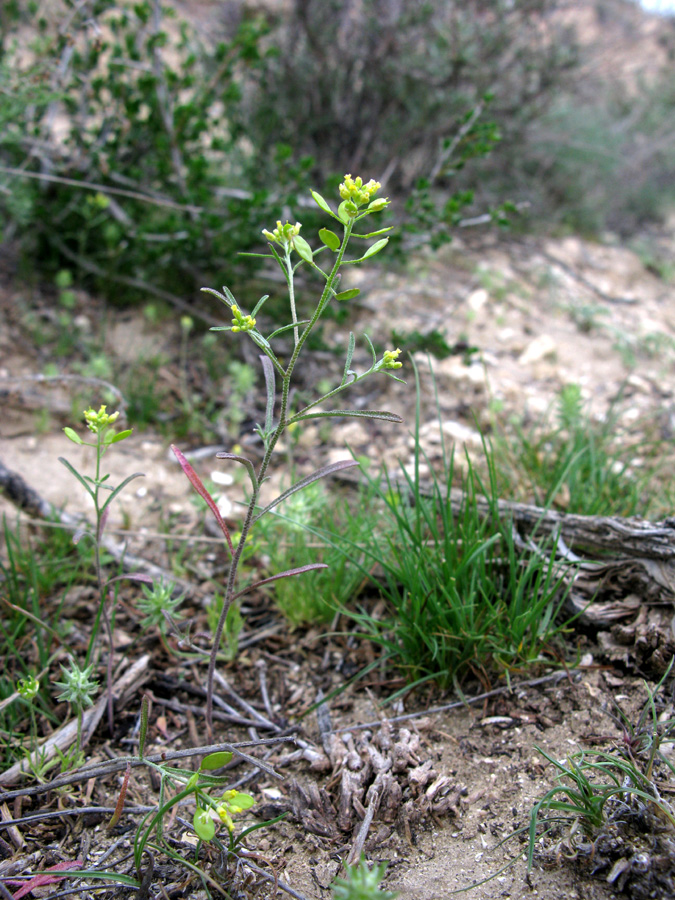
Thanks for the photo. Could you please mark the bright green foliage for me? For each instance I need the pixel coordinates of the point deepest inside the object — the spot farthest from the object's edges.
(362, 883)
(149, 128)
(78, 686)
(582, 463)
(604, 791)
(159, 600)
(463, 594)
(308, 529)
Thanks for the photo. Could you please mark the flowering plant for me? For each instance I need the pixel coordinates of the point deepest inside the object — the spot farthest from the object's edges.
(290, 250)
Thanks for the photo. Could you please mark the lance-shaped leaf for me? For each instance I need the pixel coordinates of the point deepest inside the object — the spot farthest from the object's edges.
(120, 487)
(285, 328)
(307, 480)
(196, 483)
(120, 436)
(357, 413)
(373, 234)
(245, 462)
(80, 478)
(73, 435)
(289, 573)
(318, 199)
(270, 384)
(350, 355)
(256, 309)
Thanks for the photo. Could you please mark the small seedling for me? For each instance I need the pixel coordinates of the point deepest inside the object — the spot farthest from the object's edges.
(601, 790)
(100, 424)
(362, 883)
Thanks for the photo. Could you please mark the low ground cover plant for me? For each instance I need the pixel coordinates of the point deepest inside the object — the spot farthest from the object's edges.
(579, 463)
(605, 801)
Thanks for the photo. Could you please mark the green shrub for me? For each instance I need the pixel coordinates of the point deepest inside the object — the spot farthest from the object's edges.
(128, 103)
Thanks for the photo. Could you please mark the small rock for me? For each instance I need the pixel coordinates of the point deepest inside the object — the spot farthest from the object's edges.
(542, 347)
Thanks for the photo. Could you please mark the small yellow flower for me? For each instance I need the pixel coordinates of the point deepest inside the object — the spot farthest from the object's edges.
(359, 193)
(97, 421)
(225, 817)
(240, 322)
(283, 234)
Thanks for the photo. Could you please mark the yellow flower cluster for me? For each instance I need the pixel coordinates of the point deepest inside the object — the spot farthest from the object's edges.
(355, 190)
(240, 322)
(389, 359)
(231, 803)
(283, 234)
(97, 421)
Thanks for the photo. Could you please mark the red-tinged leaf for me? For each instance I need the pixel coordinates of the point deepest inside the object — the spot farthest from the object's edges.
(330, 469)
(196, 483)
(103, 521)
(289, 573)
(44, 878)
(119, 806)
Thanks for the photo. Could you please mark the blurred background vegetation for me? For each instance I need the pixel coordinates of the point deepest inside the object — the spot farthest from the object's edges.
(142, 145)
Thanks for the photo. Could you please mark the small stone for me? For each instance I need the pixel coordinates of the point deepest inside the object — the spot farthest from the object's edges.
(542, 347)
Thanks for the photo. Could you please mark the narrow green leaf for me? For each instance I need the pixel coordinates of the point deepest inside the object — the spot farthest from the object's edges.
(330, 239)
(82, 479)
(373, 234)
(303, 249)
(357, 413)
(259, 305)
(318, 199)
(372, 349)
(350, 353)
(215, 760)
(120, 487)
(270, 385)
(329, 469)
(348, 295)
(376, 247)
(143, 731)
(285, 328)
(74, 437)
(245, 462)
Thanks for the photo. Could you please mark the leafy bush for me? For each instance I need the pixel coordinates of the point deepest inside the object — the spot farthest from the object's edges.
(607, 162)
(404, 86)
(133, 107)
